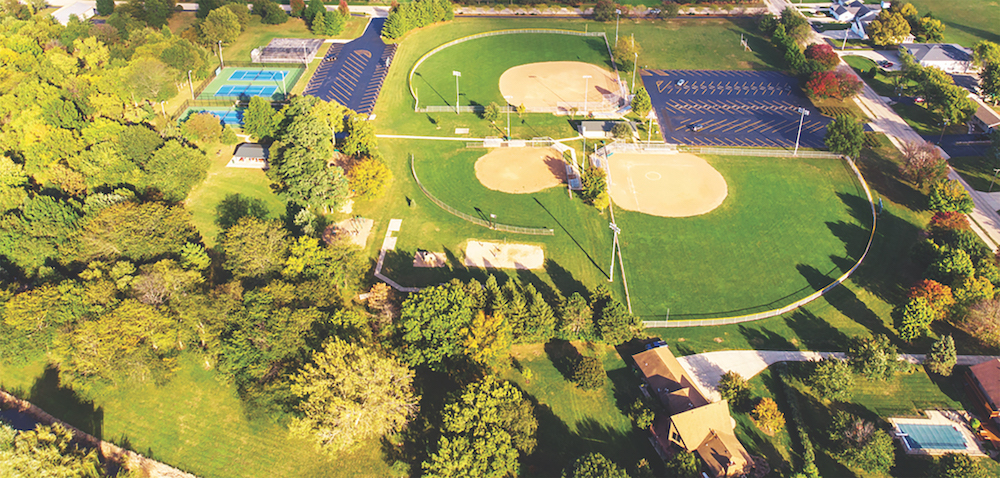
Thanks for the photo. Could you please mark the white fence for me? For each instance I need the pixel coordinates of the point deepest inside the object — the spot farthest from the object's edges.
(772, 153)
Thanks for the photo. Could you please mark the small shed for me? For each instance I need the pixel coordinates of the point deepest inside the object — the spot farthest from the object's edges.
(986, 120)
(82, 10)
(596, 129)
(249, 155)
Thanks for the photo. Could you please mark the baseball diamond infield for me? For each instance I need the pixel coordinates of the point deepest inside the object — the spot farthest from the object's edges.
(559, 84)
(668, 185)
(521, 170)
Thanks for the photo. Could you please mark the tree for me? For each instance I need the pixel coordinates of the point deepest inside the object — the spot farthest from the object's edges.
(626, 50)
(48, 450)
(983, 322)
(615, 324)
(924, 164)
(489, 340)
(670, 10)
(492, 112)
(254, 248)
(641, 103)
(945, 222)
(833, 379)
(959, 465)
(221, 25)
(939, 296)
(874, 357)
(889, 28)
(207, 6)
(974, 289)
(622, 130)
(985, 52)
(345, 11)
(796, 25)
(576, 317)
(588, 373)
(312, 8)
(684, 464)
(604, 10)
(931, 30)
(941, 358)
(595, 465)
(914, 317)
(351, 394)
(594, 185)
(484, 429)
(297, 7)
(318, 23)
(845, 135)
(134, 231)
(948, 196)
(989, 81)
(434, 323)
(862, 444)
(767, 417)
(369, 178)
(333, 23)
(824, 54)
(361, 140)
(641, 414)
(951, 267)
(174, 170)
(261, 121)
(734, 388)
(299, 160)
(270, 13)
(105, 7)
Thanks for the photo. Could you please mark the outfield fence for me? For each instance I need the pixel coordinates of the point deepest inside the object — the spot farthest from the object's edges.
(440, 109)
(538, 142)
(771, 153)
(799, 303)
(536, 231)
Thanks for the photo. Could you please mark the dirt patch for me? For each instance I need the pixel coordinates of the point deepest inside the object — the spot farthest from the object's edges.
(497, 255)
(356, 230)
(668, 185)
(521, 170)
(560, 84)
(429, 259)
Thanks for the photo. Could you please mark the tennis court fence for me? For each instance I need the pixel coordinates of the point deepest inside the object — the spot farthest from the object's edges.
(496, 226)
(249, 65)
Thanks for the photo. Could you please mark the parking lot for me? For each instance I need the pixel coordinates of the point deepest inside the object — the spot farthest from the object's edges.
(732, 108)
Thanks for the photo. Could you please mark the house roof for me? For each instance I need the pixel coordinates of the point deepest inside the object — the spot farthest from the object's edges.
(251, 150)
(988, 376)
(697, 424)
(724, 454)
(987, 115)
(937, 52)
(605, 126)
(666, 377)
(83, 11)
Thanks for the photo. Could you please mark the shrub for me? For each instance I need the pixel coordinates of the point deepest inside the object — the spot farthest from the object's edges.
(604, 11)
(833, 379)
(684, 464)
(588, 373)
(734, 388)
(946, 196)
(767, 417)
(948, 221)
(641, 414)
(941, 358)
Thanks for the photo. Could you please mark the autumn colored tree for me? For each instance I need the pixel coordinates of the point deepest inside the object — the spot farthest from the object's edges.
(939, 296)
(823, 84)
(924, 164)
(767, 416)
(298, 7)
(824, 54)
(489, 339)
(949, 195)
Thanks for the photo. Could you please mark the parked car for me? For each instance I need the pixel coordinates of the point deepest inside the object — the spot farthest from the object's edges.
(697, 127)
(680, 82)
(918, 99)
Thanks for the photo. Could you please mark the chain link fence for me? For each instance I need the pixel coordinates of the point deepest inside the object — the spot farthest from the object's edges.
(535, 231)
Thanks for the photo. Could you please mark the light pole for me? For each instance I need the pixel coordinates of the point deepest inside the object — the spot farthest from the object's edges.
(635, 66)
(847, 33)
(509, 98)
(458, 74)
(618, 16)
(221, 62)
(191, 84)
(586, 89)
(804, 112)
(943, 126)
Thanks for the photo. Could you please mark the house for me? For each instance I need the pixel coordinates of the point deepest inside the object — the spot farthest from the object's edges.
(82, 10)
(249, 155)
(692, 422)
(983, 381)
(854, 11)
(947, 57)
(986, 120)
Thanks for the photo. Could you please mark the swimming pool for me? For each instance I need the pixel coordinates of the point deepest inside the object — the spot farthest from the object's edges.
(931, 437)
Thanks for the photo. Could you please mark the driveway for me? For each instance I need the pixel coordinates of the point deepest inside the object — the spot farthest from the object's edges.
(891, 56)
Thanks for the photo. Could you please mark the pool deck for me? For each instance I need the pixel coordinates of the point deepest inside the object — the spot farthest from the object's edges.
(957, 419)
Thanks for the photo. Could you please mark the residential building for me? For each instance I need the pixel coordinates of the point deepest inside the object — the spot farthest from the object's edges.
(985, 121)
(947, 57)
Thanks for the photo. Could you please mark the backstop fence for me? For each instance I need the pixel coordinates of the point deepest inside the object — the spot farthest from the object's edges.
(536, 231)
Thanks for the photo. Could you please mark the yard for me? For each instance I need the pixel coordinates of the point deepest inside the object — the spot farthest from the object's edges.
(974, 21)
(258, 35)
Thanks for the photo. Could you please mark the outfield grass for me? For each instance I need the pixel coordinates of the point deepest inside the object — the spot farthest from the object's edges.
(195, 422)
(221, 182)
(972, 21)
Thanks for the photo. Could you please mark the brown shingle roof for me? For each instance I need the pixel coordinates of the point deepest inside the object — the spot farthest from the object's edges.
(664, 375)
(988, 376)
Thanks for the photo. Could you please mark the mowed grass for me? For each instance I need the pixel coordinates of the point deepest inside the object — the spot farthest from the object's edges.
(258, 35)
(195, 422)
(480, 79)
(223, 181)
(573, 422)
(977, 171)
(966, 23)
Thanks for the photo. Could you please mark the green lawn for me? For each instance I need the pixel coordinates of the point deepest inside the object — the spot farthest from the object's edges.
(925, 121)
(972, 21)
(977, 171)
(223, 181)
(884, 85)
(573, 422)
(195, 422)
(258, 34)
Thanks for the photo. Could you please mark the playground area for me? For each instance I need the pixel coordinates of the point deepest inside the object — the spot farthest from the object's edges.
(666, 185)
(272, 83)
(521, 170)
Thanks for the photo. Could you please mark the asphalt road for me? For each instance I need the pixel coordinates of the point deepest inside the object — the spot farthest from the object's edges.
(352, 73)
(732, 108)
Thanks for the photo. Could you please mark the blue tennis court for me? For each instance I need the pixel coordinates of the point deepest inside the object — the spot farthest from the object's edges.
(932, 437)
(229, 117)
(246, 90)
(257, 75)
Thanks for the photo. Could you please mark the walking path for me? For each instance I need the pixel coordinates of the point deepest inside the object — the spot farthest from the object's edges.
(389, 244)
(706, 369)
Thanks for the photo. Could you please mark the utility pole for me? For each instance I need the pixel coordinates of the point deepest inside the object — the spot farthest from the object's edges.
(618, 16)
(804, 112)
(191, 84)
(509, 98)
(635, 66)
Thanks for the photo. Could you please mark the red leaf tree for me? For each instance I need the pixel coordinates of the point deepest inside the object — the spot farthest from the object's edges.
(824, 54)
(823, 84)
(948, 221)
(938, 295)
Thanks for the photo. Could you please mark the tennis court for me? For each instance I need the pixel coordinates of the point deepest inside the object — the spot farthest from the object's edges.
(245, 90)
(228, 116)
(257, 75)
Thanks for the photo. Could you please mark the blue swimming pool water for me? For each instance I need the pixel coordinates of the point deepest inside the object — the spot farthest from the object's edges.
(933, 437)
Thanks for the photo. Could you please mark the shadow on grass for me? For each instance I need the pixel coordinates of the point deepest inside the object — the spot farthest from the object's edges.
(845, 301)
(816, 333)
(764, 339)
(570, 235)
(563, 355)
(65, 404)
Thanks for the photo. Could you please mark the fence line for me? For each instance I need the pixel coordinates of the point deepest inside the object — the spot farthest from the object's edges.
(537, 231)
(760, 152)
(409, 79)
(798, 303)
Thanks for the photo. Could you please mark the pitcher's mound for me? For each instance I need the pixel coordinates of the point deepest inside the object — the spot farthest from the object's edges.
(669, 185)
(521, 170)
(559, 84)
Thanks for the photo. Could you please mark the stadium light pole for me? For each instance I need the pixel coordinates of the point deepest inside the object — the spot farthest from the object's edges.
(586, 89)
(221, 61)
(509, 98)
(804, 112)
(191, 84)
(618, 16)
(458, 74)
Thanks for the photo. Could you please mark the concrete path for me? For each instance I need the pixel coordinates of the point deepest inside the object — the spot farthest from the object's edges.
(706, 369)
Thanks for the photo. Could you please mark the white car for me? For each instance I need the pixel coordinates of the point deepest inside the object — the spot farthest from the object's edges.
(680, 82)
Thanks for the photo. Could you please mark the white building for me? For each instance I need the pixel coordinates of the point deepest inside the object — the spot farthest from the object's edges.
(249, 155)
(82, 10)
(948, 57)
(844, 11)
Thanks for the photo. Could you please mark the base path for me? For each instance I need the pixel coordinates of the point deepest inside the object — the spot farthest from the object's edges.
(352, 74)
(706, 369)
(521, 170)
(667, 185)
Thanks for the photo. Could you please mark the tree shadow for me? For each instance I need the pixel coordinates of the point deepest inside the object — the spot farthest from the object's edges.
(50, 395)
(845, 301)
(563, 355)
(816, 333)
(564, 280)
(236, 206)
(764, 339)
